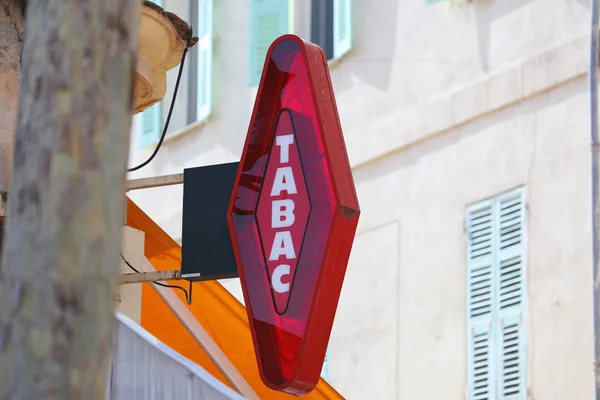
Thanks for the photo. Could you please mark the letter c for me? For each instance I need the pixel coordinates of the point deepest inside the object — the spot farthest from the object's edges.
(278, 273)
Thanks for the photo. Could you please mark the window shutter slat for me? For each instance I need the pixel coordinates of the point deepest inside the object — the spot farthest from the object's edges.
(480, 362)
(511, 289)
(511, 355)
(269, 19)
(149, 125)
(342, 27)
(480, 301)
(204, 49)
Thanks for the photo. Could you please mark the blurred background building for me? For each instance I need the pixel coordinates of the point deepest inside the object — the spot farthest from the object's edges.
(467, 127)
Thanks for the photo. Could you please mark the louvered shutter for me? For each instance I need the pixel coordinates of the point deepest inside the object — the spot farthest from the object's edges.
(511, 289)
(269, 19)
(480, 301)
(149, 125)
(204, 49)
(342, 27)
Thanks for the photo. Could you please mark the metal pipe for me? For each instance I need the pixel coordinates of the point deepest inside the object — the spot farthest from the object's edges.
(153, 182)
(593, 83)
(150, 276)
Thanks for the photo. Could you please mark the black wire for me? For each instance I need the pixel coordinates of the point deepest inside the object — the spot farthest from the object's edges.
(188, 295)
(164, 132)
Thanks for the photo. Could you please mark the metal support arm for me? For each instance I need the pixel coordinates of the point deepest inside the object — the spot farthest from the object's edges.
(154, 181)
(151, 276)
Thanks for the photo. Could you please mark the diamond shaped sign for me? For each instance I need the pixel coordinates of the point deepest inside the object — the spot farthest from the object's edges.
(293, 215)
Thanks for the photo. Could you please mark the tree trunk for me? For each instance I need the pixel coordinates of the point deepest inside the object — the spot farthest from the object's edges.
(59, 273)
(11, 36)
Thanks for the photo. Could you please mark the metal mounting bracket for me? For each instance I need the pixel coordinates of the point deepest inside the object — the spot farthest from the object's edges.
(151, 276)
(154, 181)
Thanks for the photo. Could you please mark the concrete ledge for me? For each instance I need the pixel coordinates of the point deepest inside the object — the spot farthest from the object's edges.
(510, 85)
(193, 127)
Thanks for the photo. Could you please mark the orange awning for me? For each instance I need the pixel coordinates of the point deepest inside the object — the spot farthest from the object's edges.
(220, 313)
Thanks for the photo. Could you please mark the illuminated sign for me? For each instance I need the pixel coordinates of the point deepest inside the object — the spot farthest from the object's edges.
(293, 215)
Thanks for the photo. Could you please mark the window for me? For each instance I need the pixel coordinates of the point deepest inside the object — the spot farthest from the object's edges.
(202, 61)
(269, 19)
(194, 95)
(331, 26)
(149, 125)
(496, 296)
(149, 120)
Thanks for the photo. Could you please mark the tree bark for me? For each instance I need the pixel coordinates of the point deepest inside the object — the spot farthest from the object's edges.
(11, 37)
(59, 272)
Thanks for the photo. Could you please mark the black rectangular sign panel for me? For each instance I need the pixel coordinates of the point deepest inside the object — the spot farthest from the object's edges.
(206, 250)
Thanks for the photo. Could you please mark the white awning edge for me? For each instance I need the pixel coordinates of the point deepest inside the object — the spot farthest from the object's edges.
(142, 367)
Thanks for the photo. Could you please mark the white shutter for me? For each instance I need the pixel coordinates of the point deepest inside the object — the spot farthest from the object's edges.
(204, 72)
(342, 27)
(511, 289)
(269, 19)
(496, 295)
(480, 302)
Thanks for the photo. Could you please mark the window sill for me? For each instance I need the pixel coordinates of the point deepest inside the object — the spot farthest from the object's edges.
(185, 130)
(333, 62)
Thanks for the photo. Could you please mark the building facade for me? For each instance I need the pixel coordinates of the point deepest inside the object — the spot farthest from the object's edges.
(467, 127)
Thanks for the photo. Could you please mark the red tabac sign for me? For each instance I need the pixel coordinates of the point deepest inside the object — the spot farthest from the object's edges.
(293, 215)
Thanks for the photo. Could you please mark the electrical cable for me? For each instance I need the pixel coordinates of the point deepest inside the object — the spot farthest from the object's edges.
(164, 132)
(188, 294)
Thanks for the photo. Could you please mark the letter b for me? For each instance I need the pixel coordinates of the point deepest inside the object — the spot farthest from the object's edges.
(282, 213)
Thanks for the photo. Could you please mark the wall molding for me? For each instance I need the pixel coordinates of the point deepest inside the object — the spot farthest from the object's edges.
(502, 88)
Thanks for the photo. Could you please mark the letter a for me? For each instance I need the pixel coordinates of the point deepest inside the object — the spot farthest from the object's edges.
(282, 245)
(284, 180)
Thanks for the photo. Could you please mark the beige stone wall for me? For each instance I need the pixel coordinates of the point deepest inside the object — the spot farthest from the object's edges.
(129, 298)
(402, 315)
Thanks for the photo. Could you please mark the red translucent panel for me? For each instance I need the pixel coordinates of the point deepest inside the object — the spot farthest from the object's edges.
(293, 215)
